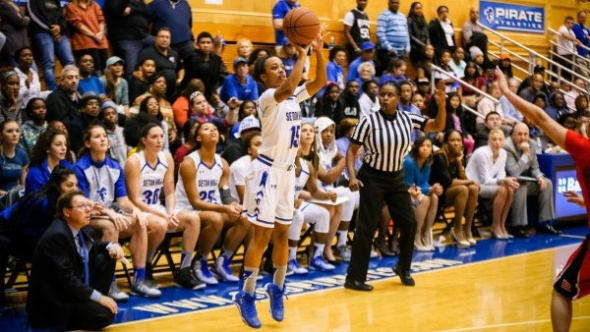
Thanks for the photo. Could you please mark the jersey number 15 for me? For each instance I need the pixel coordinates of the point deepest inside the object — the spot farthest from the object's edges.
(295, 137)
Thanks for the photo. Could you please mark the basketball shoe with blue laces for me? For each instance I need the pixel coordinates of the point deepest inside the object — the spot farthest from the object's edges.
(275, 295)
(245, 304)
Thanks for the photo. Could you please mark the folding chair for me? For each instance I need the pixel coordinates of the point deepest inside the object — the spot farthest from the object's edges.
(164, 250)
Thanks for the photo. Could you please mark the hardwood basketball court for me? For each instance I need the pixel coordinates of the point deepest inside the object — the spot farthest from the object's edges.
(503, 294)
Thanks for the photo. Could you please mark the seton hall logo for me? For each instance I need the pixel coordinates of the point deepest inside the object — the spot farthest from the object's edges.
(102, 193)
(489, 13)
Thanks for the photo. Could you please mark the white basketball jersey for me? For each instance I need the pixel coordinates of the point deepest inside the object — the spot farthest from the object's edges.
(301, 181)
(151, 179)
(207, 182)
(281, 125)
(237, 174)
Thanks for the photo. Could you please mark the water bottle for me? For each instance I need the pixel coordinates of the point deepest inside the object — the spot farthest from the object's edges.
(539, 145)
(332, 44)
(456, 84)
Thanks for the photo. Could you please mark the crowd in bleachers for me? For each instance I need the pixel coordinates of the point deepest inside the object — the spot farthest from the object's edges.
(134, 130)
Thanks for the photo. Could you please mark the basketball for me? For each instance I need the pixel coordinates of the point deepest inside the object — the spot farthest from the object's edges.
(301, 26)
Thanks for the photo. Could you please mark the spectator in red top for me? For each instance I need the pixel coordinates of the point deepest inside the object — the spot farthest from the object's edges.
(87, 23)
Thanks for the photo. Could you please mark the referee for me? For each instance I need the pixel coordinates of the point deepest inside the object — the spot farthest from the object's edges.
(385, 137)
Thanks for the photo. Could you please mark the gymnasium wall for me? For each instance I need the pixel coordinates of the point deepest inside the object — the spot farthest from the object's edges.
(237, 19)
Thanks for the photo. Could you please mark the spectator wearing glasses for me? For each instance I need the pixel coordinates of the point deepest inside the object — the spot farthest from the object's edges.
(69, 257)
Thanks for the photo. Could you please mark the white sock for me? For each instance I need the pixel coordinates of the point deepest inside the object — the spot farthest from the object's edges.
(318, 249)
(227, 254)
(187, 258)
(342, 237)
(278, 277)
(292, 253)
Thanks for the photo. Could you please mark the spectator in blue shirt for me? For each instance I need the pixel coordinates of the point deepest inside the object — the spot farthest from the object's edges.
(12, 158)
(396, 72)
(89, 82)
(392, 35)
(50, 150)
(405, 103)
(424, 196)
(288, 55)
(582, 34)
(239, 85)
(334, 71)
(367, 50)
(281, 8)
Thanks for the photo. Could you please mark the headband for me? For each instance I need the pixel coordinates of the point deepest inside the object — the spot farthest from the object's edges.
(7, 74)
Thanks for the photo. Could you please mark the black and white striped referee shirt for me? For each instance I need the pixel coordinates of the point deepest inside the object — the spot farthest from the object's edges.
(386, 138)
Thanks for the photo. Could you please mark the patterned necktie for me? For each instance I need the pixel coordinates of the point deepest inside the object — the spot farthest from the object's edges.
(84, 254)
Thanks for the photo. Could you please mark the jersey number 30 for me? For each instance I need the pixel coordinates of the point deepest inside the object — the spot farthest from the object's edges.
(295, 137)
(151, 197)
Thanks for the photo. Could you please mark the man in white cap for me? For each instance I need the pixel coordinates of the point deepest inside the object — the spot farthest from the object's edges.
(249, 126)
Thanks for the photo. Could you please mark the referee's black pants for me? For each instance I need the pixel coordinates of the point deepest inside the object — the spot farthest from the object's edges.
(379, 187)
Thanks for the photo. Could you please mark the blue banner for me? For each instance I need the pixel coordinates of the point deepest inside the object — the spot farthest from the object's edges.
(567, 180)
(24, 2)
(510, 17)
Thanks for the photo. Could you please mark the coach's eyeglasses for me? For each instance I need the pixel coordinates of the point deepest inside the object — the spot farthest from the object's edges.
(85, 206)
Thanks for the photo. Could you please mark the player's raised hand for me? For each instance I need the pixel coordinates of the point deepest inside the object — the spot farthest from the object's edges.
(318, 42)
(501, 79)
(301, 50)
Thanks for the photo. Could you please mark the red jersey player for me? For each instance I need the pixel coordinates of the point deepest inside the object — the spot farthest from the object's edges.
(574, 280)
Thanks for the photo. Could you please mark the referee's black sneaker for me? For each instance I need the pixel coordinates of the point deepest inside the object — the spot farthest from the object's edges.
(357, 285)
(519, 232)
(404, 276)
(547, 228)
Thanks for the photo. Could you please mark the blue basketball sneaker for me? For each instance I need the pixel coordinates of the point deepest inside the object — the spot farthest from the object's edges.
(223, 270)
(202, 272)
(320, 264)
(275, 295)
(245, 304)
(293, 267)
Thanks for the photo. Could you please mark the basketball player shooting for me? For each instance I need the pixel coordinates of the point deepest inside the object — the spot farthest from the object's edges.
(270, 183)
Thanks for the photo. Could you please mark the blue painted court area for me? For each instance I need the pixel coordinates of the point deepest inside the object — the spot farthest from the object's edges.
(177, 301)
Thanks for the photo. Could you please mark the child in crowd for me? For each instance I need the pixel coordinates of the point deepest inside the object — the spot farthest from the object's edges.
(32, 128)
(109, 117)
(396, 72)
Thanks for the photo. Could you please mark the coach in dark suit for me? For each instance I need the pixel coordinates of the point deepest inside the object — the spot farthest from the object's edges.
(71, 272)
(522, 161)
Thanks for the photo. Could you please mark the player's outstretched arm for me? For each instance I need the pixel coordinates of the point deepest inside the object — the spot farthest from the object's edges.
(287, 88)
(320, 73)
(532, 112)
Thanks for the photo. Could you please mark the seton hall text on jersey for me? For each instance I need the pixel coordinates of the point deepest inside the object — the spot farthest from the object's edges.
(207, 183)
(293, 116)
(153, 182)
